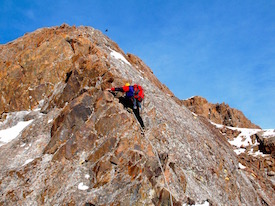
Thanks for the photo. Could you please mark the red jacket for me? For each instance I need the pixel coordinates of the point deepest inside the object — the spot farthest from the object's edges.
(135, 91)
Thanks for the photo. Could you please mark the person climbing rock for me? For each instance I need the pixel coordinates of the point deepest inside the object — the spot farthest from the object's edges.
(132, 99)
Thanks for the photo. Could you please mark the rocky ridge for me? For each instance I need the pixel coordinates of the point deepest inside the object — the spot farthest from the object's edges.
(81, 147)
(218, 113)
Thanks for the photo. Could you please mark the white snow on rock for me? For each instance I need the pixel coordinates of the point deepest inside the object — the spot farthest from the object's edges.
(257, 153)
(27, 162)
(189, 98)
(119, 56)
(81, 186)
(23, 145)
(244, 140)
(7, 135)
(217, 125)
(241, 166)
(239, 151)
(206, 203)
(269, 132)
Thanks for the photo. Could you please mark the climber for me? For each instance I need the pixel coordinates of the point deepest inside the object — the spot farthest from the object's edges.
(132, 99)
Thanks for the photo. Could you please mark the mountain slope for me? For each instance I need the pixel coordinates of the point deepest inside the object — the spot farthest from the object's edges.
(83, 147)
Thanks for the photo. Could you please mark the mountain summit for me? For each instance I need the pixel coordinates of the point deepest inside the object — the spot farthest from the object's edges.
(65, 140)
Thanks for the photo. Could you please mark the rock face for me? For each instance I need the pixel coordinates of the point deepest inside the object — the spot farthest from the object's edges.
(255, 150)
(267, 144)
(83, 148)
(218, 113)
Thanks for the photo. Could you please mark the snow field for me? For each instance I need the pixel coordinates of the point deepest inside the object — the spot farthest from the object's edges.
(243, 140)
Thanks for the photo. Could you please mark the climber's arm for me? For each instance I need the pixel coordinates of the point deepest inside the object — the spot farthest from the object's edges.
(120, 89)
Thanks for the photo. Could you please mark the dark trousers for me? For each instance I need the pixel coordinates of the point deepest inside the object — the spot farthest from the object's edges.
(128, 103)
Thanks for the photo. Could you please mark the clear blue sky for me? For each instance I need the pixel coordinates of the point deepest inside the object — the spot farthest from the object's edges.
(221, 50)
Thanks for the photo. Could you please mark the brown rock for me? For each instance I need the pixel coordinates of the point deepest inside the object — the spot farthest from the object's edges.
(267, 145)
(69, 121)
(218, 113)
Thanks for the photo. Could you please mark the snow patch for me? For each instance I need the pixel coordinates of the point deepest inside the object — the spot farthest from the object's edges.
(7, 135)
(244, 140)
(241, 166)
(23, 145)
(189, 98)
(119, 56)
(81, 186)
(27, 162)
(206, 203)
(269, 132)
(257, 153)
(37, 109)
(87, 176)
(239, 151)
(217, 125)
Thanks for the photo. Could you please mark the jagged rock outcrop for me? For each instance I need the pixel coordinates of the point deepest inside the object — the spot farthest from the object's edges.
(83, 147)
(255, 150)
(267, 145)
(218, 113)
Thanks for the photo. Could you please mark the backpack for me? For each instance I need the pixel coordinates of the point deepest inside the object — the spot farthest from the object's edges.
(138, 93)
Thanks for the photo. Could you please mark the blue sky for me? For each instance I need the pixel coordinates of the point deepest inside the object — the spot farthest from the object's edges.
(221, 50)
